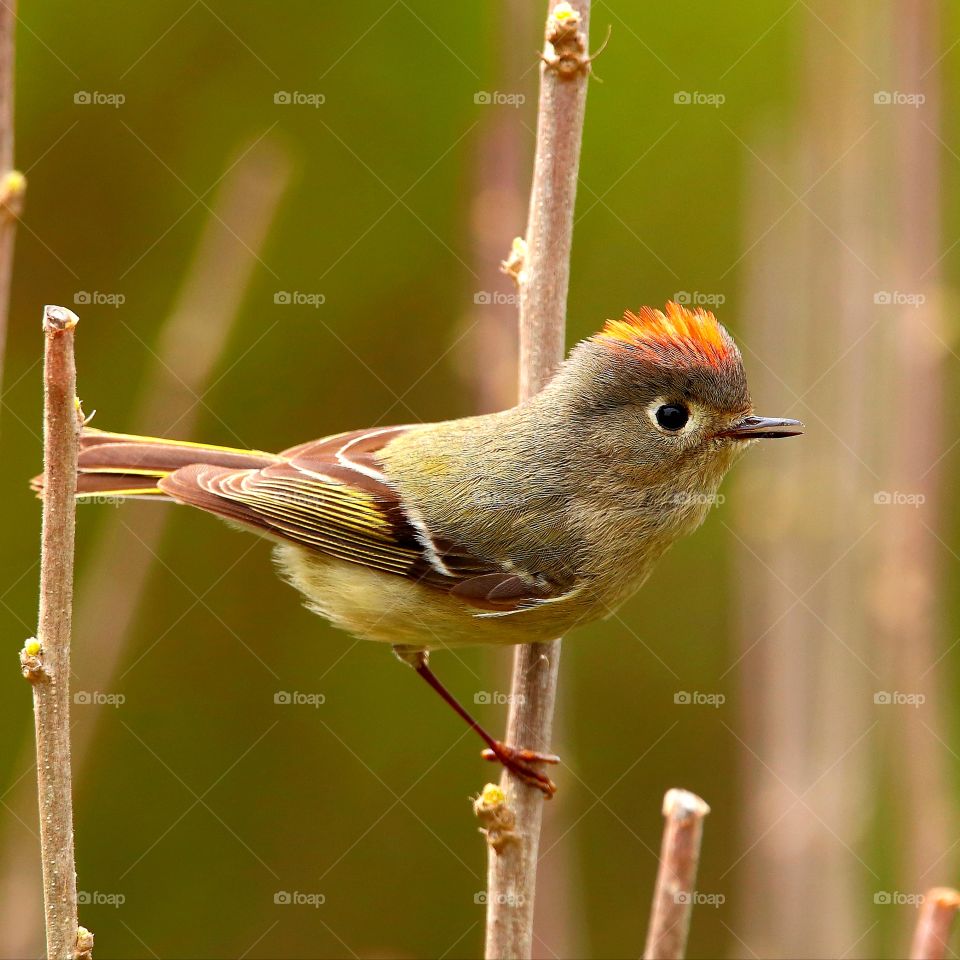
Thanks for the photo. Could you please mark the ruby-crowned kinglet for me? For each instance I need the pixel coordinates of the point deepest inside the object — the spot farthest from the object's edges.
(507, 528)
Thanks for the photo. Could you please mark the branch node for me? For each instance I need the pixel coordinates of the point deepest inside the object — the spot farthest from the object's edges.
(498, 819)
(13, 186)
(84, 944)
(682, 804)
(565, 49)
(31, 662)
(82, 418)
(514, 265)
(58, 319)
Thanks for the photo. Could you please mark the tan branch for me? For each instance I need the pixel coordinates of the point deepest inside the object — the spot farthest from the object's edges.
(48, 657)
(192, 341)
(677, 877)
(511, 873)
(12, 182)
(932, 935)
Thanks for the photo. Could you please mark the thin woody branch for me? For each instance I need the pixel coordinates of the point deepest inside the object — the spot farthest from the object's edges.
(677, 876)
(931, 938)
(546, 279)
(191, 341)
(12, 183)
(46, 659)
(543, 278)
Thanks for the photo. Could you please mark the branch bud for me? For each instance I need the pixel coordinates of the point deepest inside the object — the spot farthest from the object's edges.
(498, 819)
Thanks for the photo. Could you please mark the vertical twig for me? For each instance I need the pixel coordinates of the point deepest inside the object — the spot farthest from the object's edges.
(803, 689)
(12, 183)
(932, 935)
(776, 665)
(487, 355)
(46, 660)
(563, 96)
(677, 876)
(191, 341)
(511, 872)
(911, 616)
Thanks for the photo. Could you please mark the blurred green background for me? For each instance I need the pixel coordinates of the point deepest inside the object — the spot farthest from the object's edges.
(199, 799)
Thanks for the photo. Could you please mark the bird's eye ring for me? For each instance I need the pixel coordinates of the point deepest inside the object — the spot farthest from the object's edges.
(672, 416)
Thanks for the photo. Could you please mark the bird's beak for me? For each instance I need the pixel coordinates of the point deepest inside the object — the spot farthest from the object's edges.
(760, 428)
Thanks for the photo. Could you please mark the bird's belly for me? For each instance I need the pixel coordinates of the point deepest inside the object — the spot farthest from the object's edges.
(393, 609)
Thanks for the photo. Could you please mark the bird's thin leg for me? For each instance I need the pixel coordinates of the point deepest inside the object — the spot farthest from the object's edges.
(518, 760)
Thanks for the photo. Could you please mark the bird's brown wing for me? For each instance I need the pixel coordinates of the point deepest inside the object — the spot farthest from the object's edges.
(331, 495)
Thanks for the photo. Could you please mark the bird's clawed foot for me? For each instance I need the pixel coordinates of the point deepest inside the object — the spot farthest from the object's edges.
(520, 762)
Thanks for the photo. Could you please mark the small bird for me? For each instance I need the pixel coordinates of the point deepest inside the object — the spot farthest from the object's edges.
(512, 527)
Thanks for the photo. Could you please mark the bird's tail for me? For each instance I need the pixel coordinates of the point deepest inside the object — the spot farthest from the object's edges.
(124, 465)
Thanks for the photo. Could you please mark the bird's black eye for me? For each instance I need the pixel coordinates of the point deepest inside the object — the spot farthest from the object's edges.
(672, 416)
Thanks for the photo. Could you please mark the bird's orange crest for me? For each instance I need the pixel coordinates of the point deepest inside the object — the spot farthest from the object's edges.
(677, 336)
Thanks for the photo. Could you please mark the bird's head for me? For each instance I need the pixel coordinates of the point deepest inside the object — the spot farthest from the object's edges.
(662, 394)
